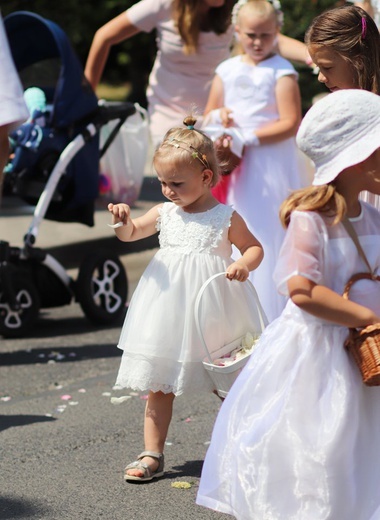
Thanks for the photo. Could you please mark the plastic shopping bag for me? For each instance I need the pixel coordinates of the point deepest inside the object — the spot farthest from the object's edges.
(122, 166)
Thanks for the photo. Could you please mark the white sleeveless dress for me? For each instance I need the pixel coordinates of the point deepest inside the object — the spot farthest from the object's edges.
(162, 348)
(298, 436)
(268, 173)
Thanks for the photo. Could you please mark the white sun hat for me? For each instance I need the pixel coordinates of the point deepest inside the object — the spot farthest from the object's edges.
(339, 131)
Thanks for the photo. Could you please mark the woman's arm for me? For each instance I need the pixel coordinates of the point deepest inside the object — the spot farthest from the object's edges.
(137, 228)
(4, 150)
(326, 304)
(293, 50)
(250, 248)
(113, 32)
(289, 108)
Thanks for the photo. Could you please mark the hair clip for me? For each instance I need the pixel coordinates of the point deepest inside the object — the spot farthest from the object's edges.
(177, 143)
(190, 127)
(364, 27)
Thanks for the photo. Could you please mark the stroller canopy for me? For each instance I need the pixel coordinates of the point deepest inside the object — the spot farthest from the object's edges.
(34, 41)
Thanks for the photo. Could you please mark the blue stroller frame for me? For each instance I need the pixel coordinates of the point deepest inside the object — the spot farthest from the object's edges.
(59, 172)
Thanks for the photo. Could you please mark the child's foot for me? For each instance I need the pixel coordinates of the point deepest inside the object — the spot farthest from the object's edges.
(148, 465)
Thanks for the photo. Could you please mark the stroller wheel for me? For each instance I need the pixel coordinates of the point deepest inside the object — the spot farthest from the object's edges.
(14, 323)
(102, 288)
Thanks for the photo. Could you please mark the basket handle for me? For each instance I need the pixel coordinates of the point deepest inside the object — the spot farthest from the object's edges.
(355, 278)
(262, 317)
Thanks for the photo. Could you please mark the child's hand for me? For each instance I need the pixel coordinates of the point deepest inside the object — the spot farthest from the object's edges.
(226, 117)
(374, 320)
(237, 271)
(120, 213)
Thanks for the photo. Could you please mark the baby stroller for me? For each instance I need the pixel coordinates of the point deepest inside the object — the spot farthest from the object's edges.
(55, 166)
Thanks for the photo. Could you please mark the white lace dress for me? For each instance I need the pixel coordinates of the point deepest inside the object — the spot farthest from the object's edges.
(298, 436)
(162, 349)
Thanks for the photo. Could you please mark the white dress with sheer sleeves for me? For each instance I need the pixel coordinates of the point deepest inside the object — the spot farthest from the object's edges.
(298, 436)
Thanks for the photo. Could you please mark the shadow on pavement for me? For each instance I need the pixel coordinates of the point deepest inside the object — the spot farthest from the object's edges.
(11, 507)
(9, 421)
(59, 354)
(191, 468)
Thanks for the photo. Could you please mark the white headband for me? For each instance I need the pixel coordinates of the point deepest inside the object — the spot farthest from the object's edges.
(276, 4)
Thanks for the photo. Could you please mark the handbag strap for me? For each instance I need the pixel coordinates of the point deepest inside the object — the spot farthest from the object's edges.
(352, 233)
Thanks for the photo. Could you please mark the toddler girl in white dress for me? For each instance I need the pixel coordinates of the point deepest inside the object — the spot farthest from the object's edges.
(162, 350)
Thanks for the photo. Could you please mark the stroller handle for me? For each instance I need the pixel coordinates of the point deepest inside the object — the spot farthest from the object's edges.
(108, 111)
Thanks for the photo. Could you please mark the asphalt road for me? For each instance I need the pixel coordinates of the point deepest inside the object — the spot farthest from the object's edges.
(63, 444)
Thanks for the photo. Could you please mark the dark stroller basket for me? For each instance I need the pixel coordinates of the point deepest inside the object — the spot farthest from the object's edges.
(59, 173)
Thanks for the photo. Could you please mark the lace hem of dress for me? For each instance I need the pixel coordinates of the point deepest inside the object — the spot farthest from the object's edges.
(144, 385)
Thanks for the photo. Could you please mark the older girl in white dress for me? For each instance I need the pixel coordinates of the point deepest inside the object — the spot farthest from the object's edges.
(298, 435)
(257, 94)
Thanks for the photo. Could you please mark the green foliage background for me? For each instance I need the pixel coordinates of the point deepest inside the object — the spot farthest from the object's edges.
(130, 62)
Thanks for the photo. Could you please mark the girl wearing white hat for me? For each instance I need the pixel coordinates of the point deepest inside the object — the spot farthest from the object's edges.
(299, 433)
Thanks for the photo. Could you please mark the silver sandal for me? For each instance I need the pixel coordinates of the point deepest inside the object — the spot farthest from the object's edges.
(148, 474)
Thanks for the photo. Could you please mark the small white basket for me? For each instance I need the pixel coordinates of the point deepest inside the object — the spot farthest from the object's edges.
(223, 377)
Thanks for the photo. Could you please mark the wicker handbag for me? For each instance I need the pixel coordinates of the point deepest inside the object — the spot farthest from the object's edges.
(363, 344)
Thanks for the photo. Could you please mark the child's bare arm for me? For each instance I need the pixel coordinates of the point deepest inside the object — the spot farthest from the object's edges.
(216, 95)
(133, 229)
(216, 103)
(324, 303)
(289, 108)
(248, 245)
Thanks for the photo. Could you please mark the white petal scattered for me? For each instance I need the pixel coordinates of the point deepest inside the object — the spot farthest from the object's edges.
(119, 400)
(106, 394)
(117, 225)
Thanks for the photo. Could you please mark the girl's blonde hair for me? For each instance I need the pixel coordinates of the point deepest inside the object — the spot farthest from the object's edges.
(352, 33)
(188, 146)
(261, 8)
(189, 21)
(323, 199)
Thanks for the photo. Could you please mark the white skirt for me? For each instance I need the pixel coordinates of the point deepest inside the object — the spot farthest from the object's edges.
(298, 435)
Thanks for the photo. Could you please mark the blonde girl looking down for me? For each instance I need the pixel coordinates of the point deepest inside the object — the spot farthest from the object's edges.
(162, 350)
